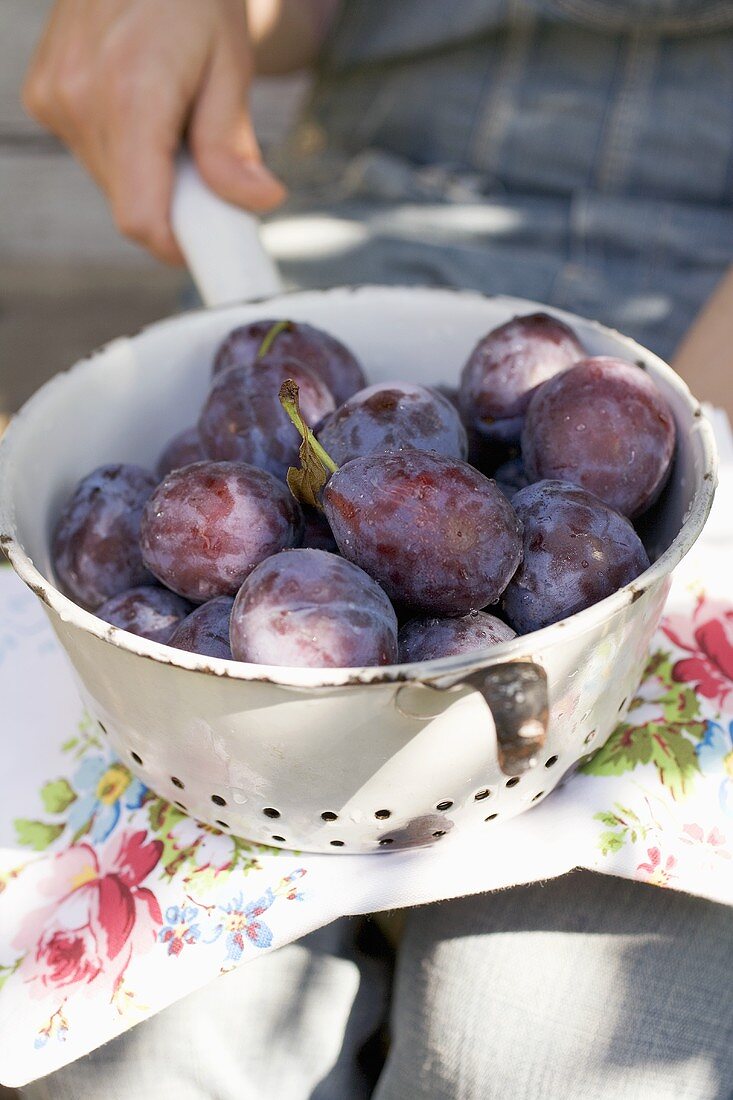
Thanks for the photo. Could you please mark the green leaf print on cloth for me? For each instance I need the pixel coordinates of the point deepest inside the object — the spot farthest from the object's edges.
(37, 835)
(666, 739)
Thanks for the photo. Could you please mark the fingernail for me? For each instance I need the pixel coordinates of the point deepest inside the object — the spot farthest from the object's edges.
(260, 175)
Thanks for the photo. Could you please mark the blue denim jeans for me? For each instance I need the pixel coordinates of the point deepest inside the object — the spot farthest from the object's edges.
(578, 152)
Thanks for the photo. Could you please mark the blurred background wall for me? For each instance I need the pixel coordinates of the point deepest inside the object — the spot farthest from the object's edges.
(67, 281)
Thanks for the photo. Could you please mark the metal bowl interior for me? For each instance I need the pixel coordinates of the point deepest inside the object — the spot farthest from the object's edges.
(124, 401)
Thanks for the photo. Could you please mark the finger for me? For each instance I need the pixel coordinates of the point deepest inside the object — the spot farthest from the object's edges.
(139, 152)
(222, 138)
(58, 65)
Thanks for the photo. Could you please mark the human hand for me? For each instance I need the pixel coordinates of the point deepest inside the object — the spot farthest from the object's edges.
(121, 82)
(704, 358)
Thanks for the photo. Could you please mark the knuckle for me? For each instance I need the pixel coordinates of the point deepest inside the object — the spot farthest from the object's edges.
(35, 96)
(125, 86)
(132, 223)
(72, 93)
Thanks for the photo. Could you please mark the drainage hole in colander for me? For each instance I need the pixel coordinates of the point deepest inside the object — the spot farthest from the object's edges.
(443, 806)
(180, 806)
(177, 782)
(137, 758)
(329, 815)
(490, 817)
(513, 781)
(480, 795)
(222, 824)
(383, 814)
(439, 832)
(102, 727)
(551, 761)
(337, 843)
(280, 838)
(538, 795)
(218, 800)
(386, 840)
(270, 811)
(590, 737)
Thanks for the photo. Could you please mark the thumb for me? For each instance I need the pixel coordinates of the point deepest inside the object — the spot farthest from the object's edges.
(222, 139)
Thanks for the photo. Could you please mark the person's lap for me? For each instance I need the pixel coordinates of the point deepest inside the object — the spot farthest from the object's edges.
(585, 986)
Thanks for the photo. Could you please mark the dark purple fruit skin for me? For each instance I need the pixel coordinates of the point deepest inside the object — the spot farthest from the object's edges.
(317, 535)
(450, 393)
(208, 525)
(243, 421)
(150, 612)
(511, 476)
(95, 546)
(311, 609)
(181, 450)
(324, 354)
(435, 533)
(206, 630)
(505, 368)
(429, 639)
(577, 551)
(605, 426)
(392, 416)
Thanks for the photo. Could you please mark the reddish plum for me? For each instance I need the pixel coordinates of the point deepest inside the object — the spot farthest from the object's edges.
(428, 639)
(243, 420)
(392, 416)
(505, 368)
(435, 533)
(95, 546)
(293, 341)
(208, 525)
(511, 476)
(309, 608)
(577, 551)
(183, 449)
(317, 535)
(603, 425)
(149, 611)
(206, 630)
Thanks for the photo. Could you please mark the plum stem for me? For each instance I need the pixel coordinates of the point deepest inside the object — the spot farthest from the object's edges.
(270, 337)
(316, 464)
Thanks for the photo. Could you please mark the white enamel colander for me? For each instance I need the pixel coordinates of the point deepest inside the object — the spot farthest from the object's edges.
(341, 760)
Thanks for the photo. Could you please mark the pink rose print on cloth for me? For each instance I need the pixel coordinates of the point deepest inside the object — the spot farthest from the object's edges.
(654, 871)
(98, 914)
(713, 842)
(707, 636)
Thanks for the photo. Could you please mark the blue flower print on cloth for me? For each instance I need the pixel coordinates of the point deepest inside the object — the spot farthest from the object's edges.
(103, 788)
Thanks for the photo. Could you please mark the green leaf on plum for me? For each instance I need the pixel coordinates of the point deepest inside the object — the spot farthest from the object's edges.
(316, 466)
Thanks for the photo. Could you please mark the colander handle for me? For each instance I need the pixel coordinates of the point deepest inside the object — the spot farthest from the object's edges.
(516, 694)
(220, 241)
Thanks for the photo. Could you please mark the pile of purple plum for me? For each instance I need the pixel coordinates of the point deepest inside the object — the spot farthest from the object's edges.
(310, 519)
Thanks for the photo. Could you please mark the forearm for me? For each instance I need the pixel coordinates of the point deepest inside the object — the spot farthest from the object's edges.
(705, 356)
(286, 35)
